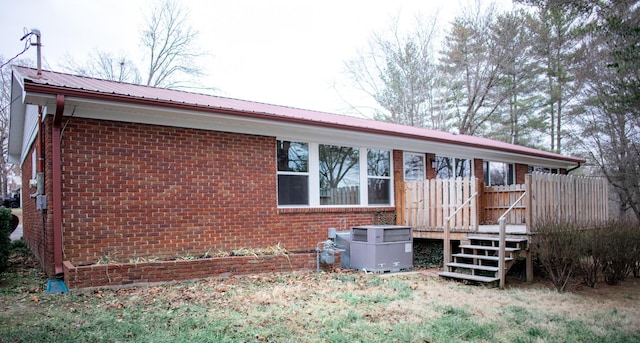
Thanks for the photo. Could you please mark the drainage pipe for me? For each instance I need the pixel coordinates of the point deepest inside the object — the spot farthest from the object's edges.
(56, 171)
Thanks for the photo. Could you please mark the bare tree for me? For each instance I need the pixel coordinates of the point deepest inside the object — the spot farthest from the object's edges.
(611, 122)
(399, 72)
(170, 41)
(170, 53)
(104, 65)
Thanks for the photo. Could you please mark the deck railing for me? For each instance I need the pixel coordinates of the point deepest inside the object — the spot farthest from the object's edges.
(426, 204)
(496, 199)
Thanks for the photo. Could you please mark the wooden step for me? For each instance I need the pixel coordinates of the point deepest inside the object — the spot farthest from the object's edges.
(472, 266)
(496, 238)
(487, 247)
(482, 257)
(468, 277)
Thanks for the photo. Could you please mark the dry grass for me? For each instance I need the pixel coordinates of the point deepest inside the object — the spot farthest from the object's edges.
(319, 307)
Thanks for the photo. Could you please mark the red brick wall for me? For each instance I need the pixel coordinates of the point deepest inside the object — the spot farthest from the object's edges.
(144, 191)
(521, 171)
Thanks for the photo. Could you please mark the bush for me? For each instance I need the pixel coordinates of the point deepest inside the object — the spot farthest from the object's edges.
(5, 231)
(591, 252)
(556, 244)
(427, 253)
(622, 250)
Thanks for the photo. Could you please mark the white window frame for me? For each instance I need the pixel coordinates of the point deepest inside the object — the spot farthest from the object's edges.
(314, 176)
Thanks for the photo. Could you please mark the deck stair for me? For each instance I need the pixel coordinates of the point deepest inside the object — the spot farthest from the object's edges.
(477, 259)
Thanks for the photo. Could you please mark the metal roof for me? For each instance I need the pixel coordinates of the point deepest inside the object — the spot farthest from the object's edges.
(85, 87)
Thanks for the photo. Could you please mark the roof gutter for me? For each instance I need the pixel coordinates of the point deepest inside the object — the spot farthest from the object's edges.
(56, 134)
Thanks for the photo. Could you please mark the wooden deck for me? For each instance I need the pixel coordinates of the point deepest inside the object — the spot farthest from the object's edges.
(512, 230)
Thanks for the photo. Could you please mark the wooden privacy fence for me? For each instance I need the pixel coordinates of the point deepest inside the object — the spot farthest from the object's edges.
(349, 195)
(497, 199)
(425, 204)
(580, 200)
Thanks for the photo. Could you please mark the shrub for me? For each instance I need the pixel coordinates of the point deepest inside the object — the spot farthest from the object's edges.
(556, 244)
(5, 231)
(591, 251)
(621, 255)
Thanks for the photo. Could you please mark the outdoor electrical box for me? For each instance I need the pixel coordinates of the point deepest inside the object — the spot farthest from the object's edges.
(41, 202)
(381, 248)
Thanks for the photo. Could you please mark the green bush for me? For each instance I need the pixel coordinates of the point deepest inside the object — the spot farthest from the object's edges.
(5, 231)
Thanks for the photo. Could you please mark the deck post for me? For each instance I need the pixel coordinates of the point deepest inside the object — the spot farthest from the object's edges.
(501, 251)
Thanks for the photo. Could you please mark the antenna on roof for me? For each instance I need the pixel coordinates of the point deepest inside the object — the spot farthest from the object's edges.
(38, 45)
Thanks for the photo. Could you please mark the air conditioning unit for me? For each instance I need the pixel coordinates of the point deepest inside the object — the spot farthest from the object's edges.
(381, 248)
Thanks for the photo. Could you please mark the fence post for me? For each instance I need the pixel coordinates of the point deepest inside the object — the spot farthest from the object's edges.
(501, 252)
(447, 244)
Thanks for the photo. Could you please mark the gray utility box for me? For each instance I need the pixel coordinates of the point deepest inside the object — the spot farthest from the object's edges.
(381, 248)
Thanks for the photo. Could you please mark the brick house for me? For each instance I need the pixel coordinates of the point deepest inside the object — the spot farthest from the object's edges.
(142, 175)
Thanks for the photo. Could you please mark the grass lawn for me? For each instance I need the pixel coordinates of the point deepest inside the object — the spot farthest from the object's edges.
(310, 307)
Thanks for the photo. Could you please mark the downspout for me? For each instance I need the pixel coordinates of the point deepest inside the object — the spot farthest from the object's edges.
(40, 184)
(574, 168)
(57, 184)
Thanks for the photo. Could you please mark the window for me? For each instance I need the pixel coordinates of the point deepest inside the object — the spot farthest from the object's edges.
(293, 173)
(413, 166)
(498, 173)
(448, 167)
(339, 175)
(379, 177)
(311, 174)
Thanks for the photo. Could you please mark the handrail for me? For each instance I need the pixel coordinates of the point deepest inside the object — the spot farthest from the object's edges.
(512, 206)
(461, 206)
(447, 228)
(501, 252)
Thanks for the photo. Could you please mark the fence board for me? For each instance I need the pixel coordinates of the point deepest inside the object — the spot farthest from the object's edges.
(429, 202)
(580, 200)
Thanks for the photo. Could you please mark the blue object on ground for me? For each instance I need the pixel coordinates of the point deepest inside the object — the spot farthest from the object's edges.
(56, 286)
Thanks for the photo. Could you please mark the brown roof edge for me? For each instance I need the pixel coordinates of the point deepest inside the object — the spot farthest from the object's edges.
(46, 88)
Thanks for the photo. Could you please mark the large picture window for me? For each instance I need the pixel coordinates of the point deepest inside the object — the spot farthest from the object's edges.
(339, 175)
(311, 174)
(293, 173)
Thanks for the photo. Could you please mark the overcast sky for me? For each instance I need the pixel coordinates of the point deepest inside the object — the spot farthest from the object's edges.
(283, 52)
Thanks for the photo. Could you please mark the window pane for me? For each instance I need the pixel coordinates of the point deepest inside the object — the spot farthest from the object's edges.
(379, 191)
(463, 167)
(339, 175)
(293, 190)
(498, 173)
(293, 156)
(378, 163)
(444, 167)
(414, 167)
